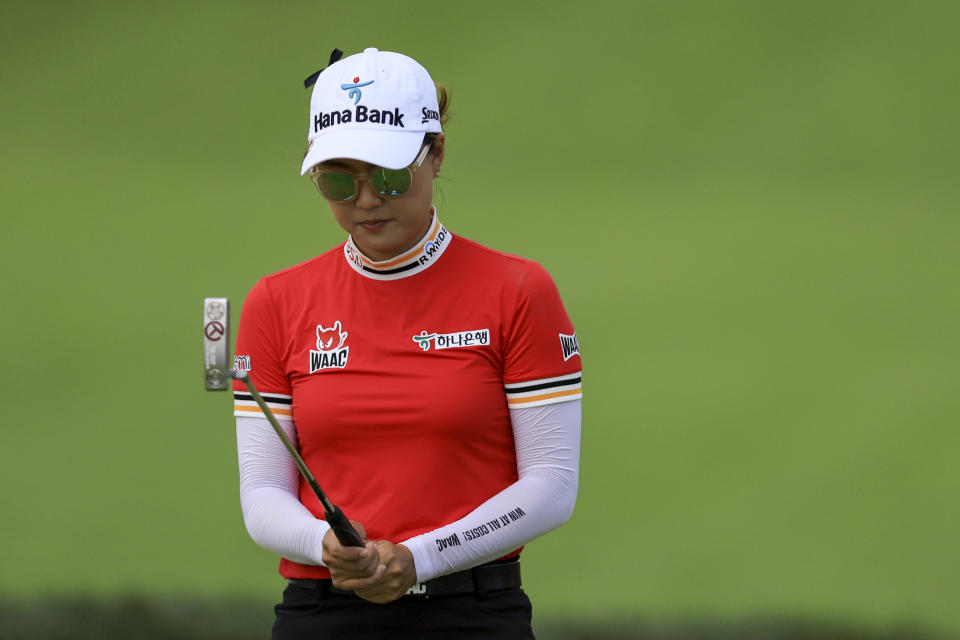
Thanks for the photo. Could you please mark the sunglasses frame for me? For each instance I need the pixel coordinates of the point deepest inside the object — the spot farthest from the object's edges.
(317, 171)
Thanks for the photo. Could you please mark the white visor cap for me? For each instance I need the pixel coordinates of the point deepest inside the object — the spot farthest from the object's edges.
(373, 107)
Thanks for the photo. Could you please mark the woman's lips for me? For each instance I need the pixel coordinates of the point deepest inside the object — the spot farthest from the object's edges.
(373, 225)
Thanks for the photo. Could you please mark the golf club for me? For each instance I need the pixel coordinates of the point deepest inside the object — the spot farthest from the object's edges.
(216, 340)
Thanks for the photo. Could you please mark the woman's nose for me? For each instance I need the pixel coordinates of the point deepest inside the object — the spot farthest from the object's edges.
(367, 198)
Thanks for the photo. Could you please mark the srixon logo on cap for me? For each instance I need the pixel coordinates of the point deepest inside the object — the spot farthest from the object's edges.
(360, 113)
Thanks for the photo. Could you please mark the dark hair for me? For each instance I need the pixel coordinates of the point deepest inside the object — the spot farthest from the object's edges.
(443, 101)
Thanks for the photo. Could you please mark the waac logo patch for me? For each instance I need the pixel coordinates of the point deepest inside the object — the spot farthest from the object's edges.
(330, 353)
(570, 345)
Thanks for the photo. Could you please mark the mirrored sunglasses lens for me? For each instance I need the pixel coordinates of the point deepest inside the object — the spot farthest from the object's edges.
(336, 186)
(390, 182)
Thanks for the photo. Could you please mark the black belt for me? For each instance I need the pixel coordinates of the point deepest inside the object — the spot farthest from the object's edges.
(493, 576)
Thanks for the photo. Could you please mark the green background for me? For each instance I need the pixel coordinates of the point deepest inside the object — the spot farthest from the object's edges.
(749, 208)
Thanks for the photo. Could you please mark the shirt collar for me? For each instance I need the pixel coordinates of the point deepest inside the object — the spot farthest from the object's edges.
(419, 258)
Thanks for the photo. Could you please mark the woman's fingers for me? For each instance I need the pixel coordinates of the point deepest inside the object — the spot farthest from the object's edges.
(348, 565)
(399, 574)
(359, 582)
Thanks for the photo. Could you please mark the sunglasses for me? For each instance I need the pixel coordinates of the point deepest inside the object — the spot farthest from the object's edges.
(341, 186)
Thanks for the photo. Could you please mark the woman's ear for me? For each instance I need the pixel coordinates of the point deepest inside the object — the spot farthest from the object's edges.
(436, 154)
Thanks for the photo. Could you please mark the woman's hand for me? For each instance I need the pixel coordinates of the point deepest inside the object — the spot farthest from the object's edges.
(399, 574)
(353, 568)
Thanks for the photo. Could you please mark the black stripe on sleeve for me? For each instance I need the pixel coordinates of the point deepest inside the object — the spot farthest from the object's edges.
(544, 385)
(266, 398)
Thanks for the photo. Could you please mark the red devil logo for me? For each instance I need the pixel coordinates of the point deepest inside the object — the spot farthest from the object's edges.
(330, 339)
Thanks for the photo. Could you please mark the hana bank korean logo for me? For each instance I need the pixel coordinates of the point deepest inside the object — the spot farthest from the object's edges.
(355, 88)
(459, 339)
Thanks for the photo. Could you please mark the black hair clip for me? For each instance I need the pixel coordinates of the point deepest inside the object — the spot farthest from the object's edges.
(335, 55)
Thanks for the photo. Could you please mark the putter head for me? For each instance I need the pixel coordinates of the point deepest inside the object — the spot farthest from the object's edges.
(216, 344)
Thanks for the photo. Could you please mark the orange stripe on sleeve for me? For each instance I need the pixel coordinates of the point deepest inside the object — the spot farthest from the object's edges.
(545, 396)
(279, 412)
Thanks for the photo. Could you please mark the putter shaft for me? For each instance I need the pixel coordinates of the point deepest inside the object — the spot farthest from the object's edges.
(335, 517)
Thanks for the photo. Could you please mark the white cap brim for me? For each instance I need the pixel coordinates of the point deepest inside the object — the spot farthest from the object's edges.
(390, 149)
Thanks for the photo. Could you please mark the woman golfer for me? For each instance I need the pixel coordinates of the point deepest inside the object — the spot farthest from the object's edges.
(431, 384)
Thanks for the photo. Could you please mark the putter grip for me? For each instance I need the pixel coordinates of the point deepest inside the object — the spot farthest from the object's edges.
(342, 528)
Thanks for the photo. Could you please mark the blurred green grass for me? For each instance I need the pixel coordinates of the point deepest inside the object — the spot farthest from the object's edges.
(166, 618)
(749, 208)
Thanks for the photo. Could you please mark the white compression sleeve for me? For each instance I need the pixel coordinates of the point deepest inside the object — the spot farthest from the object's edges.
(269, 499)
(548, 449)
(547, 441)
